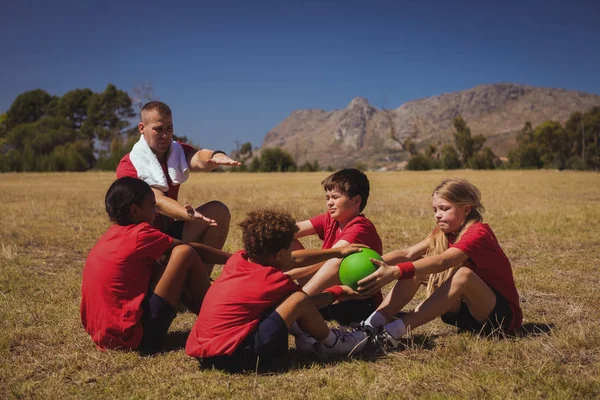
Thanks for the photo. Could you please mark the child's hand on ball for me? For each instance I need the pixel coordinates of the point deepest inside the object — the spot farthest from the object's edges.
(378, 279)
(351, 249)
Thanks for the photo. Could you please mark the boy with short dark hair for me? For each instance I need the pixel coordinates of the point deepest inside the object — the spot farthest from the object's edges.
(249, 309)
(346, 194)
(127, 299)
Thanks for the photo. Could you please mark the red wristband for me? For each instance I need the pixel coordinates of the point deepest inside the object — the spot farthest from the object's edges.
(336, 290)
(407, 270)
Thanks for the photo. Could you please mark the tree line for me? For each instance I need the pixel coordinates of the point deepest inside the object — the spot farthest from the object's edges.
(84, 130)
(549, 145)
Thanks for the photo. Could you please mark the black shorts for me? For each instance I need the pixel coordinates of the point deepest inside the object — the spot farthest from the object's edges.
(499, 319)
(268, 341)
(157, 317)
(348, 312)
(173, 228)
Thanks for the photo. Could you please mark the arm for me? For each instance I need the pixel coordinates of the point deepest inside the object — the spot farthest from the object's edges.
(333, 294)
(305, 262)
(419, 269)
(305, 228)
(173, 209)
(207, 160)
(208, 254)
(409, 254)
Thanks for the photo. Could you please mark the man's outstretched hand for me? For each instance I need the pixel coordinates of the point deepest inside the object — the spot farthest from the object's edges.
(222, 159)
(196, 216)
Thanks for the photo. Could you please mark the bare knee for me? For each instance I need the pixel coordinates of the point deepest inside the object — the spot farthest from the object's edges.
(215, 210)
(461, 278)
(184, 254)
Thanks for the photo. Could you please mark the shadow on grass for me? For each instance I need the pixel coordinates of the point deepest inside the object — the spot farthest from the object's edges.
(534, 329)
(174, 341)
(293, 360)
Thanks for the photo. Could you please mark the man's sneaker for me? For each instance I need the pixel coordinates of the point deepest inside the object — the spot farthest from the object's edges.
(305, 343)
(347, 343)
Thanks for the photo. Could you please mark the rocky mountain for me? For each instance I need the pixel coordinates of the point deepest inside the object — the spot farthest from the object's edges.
(360, 133)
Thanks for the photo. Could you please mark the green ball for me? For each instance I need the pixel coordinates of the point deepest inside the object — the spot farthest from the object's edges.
(357, 266)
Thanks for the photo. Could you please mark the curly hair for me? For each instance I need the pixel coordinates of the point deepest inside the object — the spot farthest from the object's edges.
(265, 232)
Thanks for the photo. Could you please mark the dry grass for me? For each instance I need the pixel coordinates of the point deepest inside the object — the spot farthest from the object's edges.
(548, 223)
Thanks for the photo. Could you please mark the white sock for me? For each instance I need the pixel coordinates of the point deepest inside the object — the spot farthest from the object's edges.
(397, 328)
(375, 320)
(330, 340)
(295, 329)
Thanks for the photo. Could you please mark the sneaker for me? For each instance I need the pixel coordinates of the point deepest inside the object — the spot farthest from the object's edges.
(387, 341)
(347, 343)
(305, 343)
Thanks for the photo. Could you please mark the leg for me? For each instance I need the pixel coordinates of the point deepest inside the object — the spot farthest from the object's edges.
(398, 297)
(213, 236)
(299, 307)
(463, 285)
(184, 269)
(325, 277)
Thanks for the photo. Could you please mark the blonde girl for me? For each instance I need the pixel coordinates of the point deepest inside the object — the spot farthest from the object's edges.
(469, 278)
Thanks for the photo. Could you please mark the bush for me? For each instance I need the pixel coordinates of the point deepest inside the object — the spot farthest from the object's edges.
(450, 158)
(419, 162)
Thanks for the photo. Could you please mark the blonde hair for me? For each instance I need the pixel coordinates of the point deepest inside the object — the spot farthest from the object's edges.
(462, 193)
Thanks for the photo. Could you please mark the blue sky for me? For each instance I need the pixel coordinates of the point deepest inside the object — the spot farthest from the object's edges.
(235, 69)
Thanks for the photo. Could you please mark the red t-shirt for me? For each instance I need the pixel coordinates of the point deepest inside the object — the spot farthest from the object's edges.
(235, 304)
(360, 230)
(126, 168)
(116, 277)
(489, 262)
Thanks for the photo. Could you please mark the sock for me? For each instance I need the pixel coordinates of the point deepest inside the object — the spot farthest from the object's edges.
(397, 328)
(295, 329)
(330, 340)
(375, 320)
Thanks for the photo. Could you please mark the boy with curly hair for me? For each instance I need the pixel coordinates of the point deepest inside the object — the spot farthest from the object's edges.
(249, 309)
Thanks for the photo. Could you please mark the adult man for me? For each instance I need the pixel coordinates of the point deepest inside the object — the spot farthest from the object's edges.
(207, 224)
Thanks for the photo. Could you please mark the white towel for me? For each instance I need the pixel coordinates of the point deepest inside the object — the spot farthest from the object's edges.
(149, 169)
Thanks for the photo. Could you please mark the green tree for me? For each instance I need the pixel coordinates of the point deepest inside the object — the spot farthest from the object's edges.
(276, 160)
(27, 107)
(484, 159)
(554, 144)
(450, 158)
(255, 165)
(419, 162)
(107, 115)
(72, 106)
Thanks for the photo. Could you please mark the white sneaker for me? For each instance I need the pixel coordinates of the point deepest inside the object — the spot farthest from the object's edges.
(305, 343)
(346, 343)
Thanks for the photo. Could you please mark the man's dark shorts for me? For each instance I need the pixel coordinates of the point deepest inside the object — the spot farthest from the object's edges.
(268, 341)
(499, 319)
(173, 228)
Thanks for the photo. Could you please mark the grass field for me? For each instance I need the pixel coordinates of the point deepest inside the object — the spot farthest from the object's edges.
(548, 223)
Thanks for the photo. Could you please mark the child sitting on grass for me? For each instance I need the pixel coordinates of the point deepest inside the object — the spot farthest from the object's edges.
(346, 194)
(127, 298)
(470, 284)
(249, 309)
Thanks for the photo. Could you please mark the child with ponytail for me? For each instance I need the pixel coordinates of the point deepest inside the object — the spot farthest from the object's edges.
(469, 278)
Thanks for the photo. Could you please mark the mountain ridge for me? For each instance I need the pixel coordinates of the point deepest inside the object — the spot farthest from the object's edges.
(360, 133)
